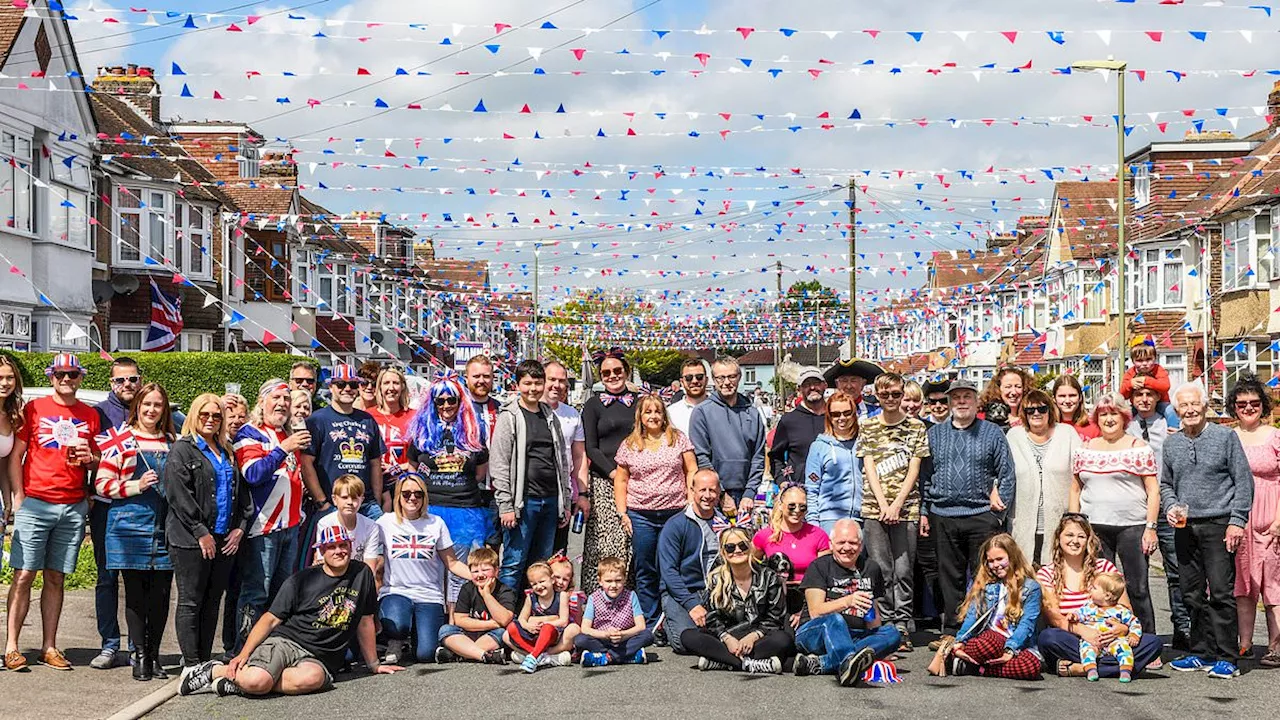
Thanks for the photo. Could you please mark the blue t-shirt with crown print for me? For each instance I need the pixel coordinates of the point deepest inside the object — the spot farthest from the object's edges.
(344, 444)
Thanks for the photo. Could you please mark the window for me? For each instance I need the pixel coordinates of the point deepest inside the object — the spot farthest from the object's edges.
(304, 270)
(1141, 185)
(248, 158)
(1092, 374)
(192, 341)
(749, 375)
(1246, 356)
(15, 330)
(392, 244)
(1156, 279)
(192, 244)
(1246, 251)
(1086, 295)
(358, 289)
(17, 187)
(1175, 363)
(127, 338)
(144, 227)
(60, 336)
(267, 268)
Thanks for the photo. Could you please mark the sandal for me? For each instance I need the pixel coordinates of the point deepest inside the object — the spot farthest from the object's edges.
(942, 656)
(1270, 660)
(1066, 668)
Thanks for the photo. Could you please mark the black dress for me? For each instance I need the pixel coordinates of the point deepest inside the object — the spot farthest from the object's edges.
(607, 420)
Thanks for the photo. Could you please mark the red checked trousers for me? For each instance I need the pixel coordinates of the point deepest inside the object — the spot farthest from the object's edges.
(989, 645)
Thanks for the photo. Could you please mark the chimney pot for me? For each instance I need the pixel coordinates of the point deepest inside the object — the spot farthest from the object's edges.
(133, 70)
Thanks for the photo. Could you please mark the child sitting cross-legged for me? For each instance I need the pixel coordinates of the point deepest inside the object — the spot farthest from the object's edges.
(613, 628)
(484, 607)
(535, 634)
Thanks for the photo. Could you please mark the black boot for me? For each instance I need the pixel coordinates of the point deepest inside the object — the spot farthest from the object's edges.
(141, 664)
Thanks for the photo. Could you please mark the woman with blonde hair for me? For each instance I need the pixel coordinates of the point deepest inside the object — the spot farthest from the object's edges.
(393, 417)
(745, 626)
(789, 544)
(655, 464)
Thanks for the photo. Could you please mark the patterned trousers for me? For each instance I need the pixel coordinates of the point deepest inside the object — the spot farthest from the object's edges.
(1120, 648)
(989, 645)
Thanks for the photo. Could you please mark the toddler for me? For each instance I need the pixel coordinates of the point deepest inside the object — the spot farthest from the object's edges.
(484, 607)
(1103, 613)
(542, 620)
(1146, 372)
(613, 628)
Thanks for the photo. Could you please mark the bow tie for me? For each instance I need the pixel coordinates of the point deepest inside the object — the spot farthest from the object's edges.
(626, 399)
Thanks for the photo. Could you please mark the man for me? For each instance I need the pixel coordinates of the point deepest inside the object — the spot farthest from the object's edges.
(928, 599)
(798, 428)
(344, 441)
(556, 395)
(972, 484)
(480, 385)
(302, 376)
(1205, 472)
(267, 453)
(49, 467)
(687, 546)
(531, 484)
(728, 436)
(841, 632)
(299, 645)
(693, 380)
(936, 401)
(851, 376)
(1154, 427)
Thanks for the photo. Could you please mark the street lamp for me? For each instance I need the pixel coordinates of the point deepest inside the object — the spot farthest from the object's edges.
(1119, 67)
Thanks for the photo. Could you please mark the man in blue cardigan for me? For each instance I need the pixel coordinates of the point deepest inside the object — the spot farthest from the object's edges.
(687, 546)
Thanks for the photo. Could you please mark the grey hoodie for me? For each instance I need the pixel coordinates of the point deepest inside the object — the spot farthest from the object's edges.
(508, 451)
(730, 440)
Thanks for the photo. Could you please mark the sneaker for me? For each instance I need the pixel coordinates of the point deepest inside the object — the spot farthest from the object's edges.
(196, 677)
(660, 632)
(1223, 670)
(708, 664)
(640, 658)
(224, 687)
(445, 655)
(763, 666)
(394, 649)
(562, 659)
(854, 666)
(494, 657)
(594, 659)
(1189, 663)
(529, 664)
(958, 667)
(807, 665)
(105, 660)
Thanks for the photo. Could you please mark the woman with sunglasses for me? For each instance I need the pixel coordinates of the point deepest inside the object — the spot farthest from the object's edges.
(418, 553)
(1258, 557)
(1042, 450)
(790, 544)
(746, 627)
(445, 448)
(607, 419)
(833, 475)
(1068, 397)
(1116, 486)
(1065, 581)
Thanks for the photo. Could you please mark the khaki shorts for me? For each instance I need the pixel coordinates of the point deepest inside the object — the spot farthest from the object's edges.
(277, 654)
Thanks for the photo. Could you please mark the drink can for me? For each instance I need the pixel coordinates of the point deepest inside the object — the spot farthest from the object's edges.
(870, 615)
(579, 519)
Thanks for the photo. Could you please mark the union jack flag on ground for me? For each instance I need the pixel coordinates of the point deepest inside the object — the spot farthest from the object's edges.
(166, 321)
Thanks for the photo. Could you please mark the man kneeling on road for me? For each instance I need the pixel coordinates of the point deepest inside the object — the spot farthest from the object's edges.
(840, 630)
(297, 646)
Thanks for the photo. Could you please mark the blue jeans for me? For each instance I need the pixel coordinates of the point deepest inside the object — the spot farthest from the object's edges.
(1177, 610)
(371, 508)
(265, 562)
(1058, 644)
(831, 638)
(531, 538)
(106, 594)
(645, 526)
(400, 616)
(677, 621)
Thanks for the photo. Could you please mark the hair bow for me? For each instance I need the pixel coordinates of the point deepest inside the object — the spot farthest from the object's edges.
(560, 556)
(600, 356)
(627, 399)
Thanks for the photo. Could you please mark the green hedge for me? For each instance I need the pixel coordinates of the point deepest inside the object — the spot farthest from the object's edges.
(183, 375)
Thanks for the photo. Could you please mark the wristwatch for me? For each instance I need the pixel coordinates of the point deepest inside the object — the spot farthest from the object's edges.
(1151, 526)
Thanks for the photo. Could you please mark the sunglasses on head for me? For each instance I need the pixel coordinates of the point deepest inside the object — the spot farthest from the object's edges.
(731, 548)
(66, 374)
(1036, 409)
(131, 379)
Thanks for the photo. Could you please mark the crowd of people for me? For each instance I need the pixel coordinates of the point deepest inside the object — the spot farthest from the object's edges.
(322, 531)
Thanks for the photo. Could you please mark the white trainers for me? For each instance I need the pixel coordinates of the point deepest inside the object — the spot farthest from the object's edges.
(764, 666)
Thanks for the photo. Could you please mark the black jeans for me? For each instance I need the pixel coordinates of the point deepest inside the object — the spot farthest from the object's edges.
(146, 607)
(776, 643)
(1203, 562)
(201, 583)
(959, 544)
(928, 596)
(231, 608)
(106, 593)
(1125, 542)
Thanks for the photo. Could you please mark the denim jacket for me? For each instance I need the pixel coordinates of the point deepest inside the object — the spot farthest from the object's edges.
(980, 614)
(764, 608)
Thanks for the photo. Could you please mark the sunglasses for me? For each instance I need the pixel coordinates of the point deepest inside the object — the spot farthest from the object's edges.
(446, 400)
(412, 495)
(207, 416)
(613, 372)
(938, 401)
(797, 507)
(695, 378)
(895, 395)
(731, 548)
(345, 385)
(130, 379)
(1036, 409)
(66, 374)
(303, 381)
(1246, 404)
(838, 415)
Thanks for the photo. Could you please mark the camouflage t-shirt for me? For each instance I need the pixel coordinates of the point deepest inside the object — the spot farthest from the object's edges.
(891, 448)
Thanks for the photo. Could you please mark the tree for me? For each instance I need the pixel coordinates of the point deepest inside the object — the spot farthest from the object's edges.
(587, 309)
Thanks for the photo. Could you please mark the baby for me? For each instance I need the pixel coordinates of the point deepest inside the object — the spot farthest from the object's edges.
(1103, 613)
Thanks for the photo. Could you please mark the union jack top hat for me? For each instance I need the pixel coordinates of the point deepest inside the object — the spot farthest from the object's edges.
(64, 361)
(331, 535)
(345, 373)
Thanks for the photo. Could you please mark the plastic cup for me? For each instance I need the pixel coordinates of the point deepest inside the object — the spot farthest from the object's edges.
(1178, 515)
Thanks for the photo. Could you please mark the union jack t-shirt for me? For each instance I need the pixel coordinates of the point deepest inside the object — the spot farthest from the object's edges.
(48, 428)
(412, 549)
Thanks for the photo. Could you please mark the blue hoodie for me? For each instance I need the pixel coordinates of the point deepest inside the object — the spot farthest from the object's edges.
(730, 440)
(833, 481)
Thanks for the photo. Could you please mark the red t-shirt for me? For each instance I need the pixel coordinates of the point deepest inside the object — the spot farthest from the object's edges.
(395, 435)
(47, 428)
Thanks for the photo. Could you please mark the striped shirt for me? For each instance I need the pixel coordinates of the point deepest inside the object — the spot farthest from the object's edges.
(1069, 600)
(274, 478)
(117, 476)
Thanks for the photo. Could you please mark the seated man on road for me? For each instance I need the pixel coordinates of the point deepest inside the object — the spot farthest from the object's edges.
(687, 546)
(297, 646)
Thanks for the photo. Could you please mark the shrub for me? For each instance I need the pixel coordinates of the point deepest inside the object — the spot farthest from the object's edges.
(85, 576)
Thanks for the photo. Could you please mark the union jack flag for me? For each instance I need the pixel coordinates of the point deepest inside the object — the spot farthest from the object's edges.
(117, 441)
(166, 321)
(56, 432)
(413, 547)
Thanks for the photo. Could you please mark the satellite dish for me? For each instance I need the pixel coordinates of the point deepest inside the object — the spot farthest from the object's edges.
(102, 291)
(124, 284)
(376, 336)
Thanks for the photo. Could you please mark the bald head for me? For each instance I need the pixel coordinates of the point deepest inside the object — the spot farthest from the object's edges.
(704, 494)
(846, 542)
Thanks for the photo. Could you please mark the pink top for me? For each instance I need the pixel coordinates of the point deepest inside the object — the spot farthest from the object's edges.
(657, 476)
(801, 547)
(1071, 600)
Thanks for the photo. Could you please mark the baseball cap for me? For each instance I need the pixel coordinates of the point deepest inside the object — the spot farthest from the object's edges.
(332, 534)
(962, 385)
(809, 373)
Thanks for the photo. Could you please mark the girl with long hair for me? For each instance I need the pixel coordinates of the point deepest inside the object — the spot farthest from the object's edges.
(1068, 397)
(10, 421)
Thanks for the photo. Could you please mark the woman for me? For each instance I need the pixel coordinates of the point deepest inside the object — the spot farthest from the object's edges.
(418, 551)
(746, 626)
(10, 424)
(1042, 451)
(1116, 486)
(1068, 396)
(1258, 556)
(912, 399)
(1000, 613)
(833, 475)
(299, 408)
(1065, 584)
(129, 475)
(650, 486)
(209, 512)
(393, 417)
(607, 420)
(790, 544)
(235, 412)
(444, 447)
(368, 372)
(1002, 396)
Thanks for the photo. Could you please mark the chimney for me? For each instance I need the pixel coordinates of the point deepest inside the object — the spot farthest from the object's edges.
(134, 84)
(278, 165)
(424, 251)
(1273, 106)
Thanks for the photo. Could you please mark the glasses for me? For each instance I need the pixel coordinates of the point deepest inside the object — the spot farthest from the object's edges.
(446, 400)
(66, 374)
(130, 379)
(839, 415)
(938, 401)
(412, 494)
(1036, 409)
(731, 548)
(1248, 404)
(797, 507)
(346, 385)
(613, 372)
(207, 416)
(727, 378)
(895, 395)
(303, 381)
(1075, 516)
(702, 377)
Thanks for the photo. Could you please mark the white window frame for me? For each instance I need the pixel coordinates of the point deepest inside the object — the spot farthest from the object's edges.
(1082, 285)
(749, 375)
(1175, 363)
(117, 329)
(249, 160)
(18, 188)
(195, 341)
(1254, 252)
(1255, 357)
(1162, 265)
(305, 273)
(15, 329)
(186, 234)
(148, 220)
(1141, 185)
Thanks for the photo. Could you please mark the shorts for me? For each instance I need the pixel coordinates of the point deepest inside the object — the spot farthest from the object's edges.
(451, 630)
(277, 654)
(47, 536)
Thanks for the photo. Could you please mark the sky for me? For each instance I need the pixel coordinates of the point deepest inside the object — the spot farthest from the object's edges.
(689, 216)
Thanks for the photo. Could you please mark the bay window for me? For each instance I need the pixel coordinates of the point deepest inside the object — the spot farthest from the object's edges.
(17, 187)
(1246, 356)
(69, 206)
(1246, 251)
(1155, 278)
(192, 243)
(1086, 294)
(144, 227)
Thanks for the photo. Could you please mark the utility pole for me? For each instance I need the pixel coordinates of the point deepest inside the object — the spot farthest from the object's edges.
(537, 344)
(817, 330)
(777, 351)
(853, 269)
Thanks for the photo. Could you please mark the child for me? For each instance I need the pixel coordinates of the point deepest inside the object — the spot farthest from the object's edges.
(543, 618)
(1146, 372)
(484, 607)
(613, 629)
(366, 542)
(562, 575)
(1102, 613)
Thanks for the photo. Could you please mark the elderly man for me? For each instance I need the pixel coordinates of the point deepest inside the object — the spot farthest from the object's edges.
(798, 428)
(688, 544)
(851, 376)
(841, 632)
(727, 433)
(1206, 489)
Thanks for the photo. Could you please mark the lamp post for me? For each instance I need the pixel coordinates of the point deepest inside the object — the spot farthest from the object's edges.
(1118, 67)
